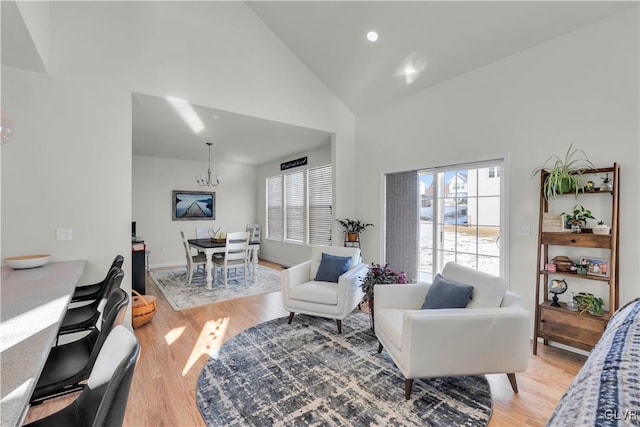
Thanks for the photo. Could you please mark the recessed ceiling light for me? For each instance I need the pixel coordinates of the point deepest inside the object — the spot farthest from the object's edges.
(372, 36)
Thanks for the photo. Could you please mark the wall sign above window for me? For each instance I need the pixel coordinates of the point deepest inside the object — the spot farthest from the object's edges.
(293, 163)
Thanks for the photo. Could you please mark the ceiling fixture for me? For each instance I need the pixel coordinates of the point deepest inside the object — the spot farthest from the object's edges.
(372, 36)
(206, 181)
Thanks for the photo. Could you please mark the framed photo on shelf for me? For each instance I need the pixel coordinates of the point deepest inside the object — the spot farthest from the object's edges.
(596, 266)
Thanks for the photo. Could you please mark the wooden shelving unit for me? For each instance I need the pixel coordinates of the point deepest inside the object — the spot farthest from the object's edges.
(557, 323)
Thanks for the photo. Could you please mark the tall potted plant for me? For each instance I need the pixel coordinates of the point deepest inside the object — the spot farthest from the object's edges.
(353, 227)
(564, 175)
(379, 275)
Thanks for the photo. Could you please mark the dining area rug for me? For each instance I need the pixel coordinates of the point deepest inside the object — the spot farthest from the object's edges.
(305, 373)
(173, 285)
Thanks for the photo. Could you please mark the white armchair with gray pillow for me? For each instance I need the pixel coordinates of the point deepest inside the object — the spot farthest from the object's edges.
(328, 285)
(487, 333)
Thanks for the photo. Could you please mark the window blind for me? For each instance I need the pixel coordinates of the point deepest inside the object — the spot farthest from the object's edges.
(274, 207)
(294, 206)
(402, 222)
(320, 187)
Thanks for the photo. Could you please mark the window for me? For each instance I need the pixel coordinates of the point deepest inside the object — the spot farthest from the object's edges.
(465, 223)
(454, 213)
(274, 207)
(320, 208)
(294, 202)
(305, 213)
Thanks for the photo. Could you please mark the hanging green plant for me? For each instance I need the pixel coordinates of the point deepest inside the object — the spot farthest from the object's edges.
(564, 175)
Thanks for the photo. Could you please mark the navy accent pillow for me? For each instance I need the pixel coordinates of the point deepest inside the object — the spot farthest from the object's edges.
(444, 293)
(331, 267)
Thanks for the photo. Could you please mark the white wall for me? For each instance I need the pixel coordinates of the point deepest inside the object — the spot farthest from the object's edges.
(284, 253)
(153, 181)
(70, 162)
(581, 88)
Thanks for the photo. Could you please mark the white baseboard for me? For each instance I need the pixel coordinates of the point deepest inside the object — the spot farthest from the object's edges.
(277, 261)
(564, 347)
(167, 264)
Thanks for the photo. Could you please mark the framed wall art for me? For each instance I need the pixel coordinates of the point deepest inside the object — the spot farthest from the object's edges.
(193, 205)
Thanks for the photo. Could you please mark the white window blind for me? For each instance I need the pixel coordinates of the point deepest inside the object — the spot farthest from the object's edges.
(294, 206)
(320, 184)
(274, 207)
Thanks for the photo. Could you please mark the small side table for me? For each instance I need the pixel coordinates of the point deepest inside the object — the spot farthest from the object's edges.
(350, 242)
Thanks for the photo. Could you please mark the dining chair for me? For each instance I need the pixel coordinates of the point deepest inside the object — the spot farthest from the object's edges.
(235, 255)
(203, 232)
(103, 400)
(254, 233)
(68, 365)
(192, 260)
(92, 292)
(85, 317)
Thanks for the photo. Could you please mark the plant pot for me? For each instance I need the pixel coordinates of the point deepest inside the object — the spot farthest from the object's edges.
(370, 303)
(352, 237)
(576, 229)
(565, 186)
(601, 229)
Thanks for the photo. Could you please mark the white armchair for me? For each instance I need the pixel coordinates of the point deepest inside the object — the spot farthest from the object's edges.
(491, 335)
(301, 293)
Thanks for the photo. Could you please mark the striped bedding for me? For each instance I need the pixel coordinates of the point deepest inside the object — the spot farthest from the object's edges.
(606, 391)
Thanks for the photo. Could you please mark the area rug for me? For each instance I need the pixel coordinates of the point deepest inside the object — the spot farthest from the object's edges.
(307, 374)
(173, 285)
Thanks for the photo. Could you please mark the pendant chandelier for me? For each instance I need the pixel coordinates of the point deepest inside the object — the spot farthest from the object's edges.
(207, 181)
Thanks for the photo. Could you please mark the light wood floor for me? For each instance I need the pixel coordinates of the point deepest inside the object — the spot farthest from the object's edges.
(176, 345)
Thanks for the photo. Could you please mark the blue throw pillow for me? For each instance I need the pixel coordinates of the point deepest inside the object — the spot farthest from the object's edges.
(331, 267)
(444, 293)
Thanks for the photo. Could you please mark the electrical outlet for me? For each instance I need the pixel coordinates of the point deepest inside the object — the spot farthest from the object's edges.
(524, 230)
(64, 234)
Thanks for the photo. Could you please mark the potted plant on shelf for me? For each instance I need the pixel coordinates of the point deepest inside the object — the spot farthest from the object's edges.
(379, 275)
(353, 228)
(577, 217)
(564, 175)
(589, 303)
(601, 228)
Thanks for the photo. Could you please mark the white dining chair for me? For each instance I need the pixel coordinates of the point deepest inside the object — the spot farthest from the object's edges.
(192, 260)
(203, 232)
(235, 255)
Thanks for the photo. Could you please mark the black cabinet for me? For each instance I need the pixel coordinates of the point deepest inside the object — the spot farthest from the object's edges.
(138, 270)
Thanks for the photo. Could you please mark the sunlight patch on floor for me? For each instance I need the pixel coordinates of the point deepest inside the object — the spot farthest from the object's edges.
(209, 342)
(173, 335)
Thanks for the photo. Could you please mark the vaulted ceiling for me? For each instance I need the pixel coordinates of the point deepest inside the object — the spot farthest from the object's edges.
(420, 44)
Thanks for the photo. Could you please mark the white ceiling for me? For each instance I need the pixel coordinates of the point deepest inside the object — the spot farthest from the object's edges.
(440, 39)
(444, 39)
(161, 129)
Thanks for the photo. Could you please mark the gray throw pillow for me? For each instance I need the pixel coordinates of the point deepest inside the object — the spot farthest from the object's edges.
(446, 294)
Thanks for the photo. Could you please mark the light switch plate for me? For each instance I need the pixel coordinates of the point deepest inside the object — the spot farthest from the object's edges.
(64, 234)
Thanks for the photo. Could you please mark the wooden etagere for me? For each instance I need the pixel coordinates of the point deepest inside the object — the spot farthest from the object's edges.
(558, 324)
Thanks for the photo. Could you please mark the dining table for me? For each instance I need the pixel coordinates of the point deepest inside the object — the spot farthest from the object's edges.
(33, 303)
(214, 246)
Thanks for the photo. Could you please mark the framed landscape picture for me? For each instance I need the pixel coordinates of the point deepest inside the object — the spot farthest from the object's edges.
(596, 266)
(193, 205)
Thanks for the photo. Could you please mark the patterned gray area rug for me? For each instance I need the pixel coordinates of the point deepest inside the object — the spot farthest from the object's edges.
(173, 284)
(307, 374)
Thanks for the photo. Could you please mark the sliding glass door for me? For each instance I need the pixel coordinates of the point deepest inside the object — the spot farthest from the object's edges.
(461, 216)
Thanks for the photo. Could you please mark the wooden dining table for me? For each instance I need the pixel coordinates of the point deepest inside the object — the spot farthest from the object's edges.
(210, 247)
(33, 303)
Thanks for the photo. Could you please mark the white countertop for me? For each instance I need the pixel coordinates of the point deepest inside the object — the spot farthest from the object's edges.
(33, 303)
